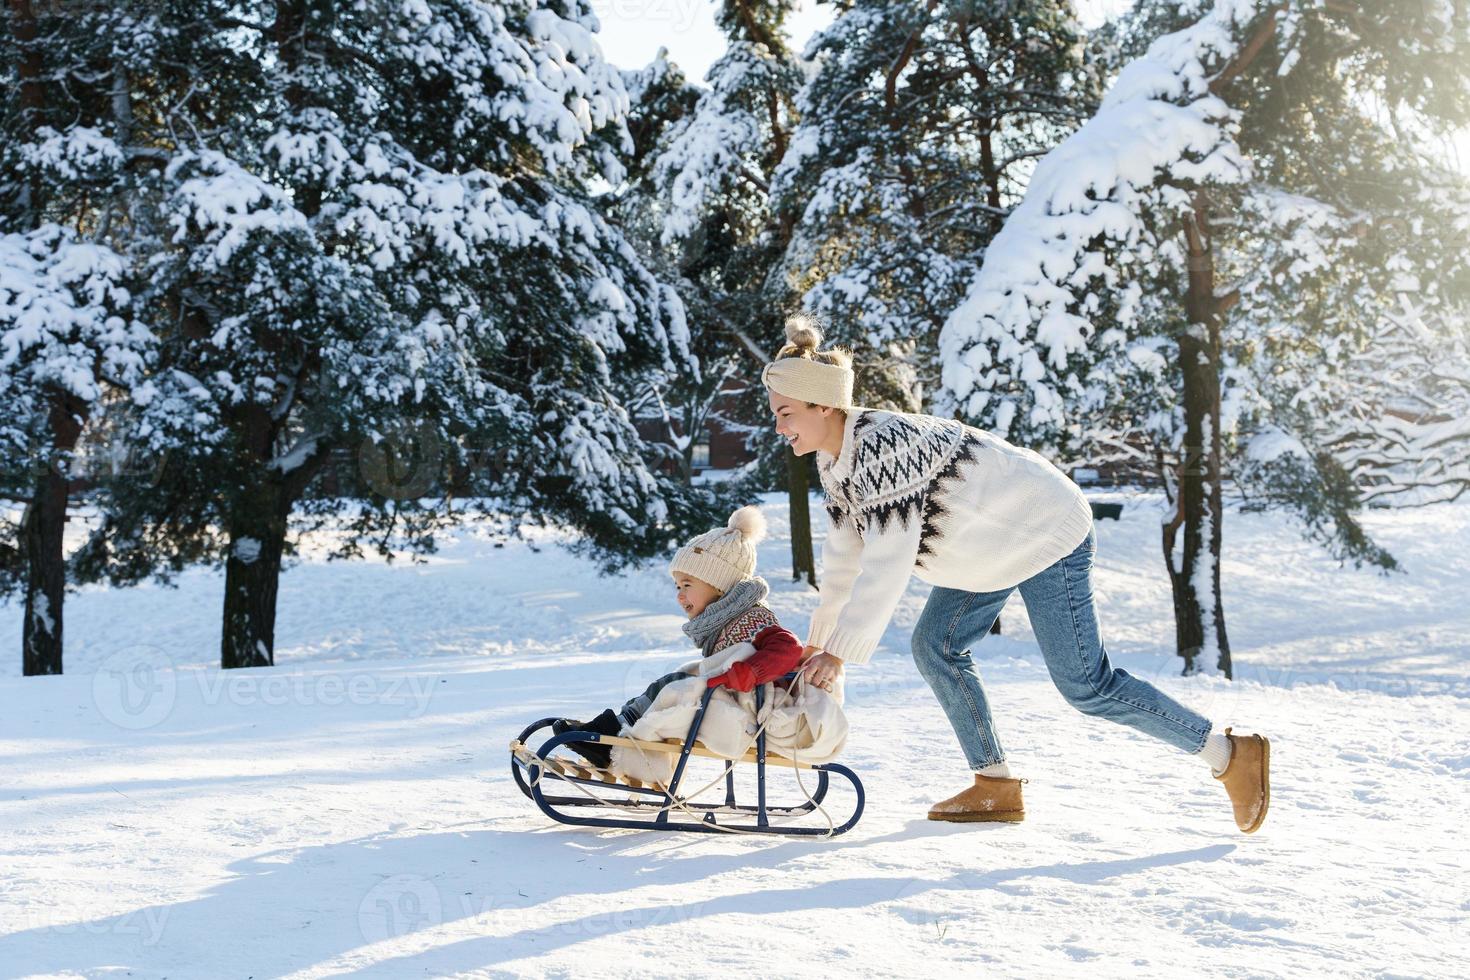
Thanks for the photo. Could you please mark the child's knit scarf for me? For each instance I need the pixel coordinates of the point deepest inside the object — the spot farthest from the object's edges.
(705, 628)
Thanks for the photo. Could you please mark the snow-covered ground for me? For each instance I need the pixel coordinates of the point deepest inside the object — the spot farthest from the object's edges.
(349, 812)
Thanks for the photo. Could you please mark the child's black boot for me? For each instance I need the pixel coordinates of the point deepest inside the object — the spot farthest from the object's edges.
(596, 753)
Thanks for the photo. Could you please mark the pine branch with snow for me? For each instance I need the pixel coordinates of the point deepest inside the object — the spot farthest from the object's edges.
(918, 128)
(388, 243)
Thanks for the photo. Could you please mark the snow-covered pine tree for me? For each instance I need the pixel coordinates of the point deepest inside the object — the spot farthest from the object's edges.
(1228, 216)
(709, 181)
(66, 328)
(1352, 380)
(660, 97)
(371, 222)
(1373, 411)
(1401, 426)
(919, 127)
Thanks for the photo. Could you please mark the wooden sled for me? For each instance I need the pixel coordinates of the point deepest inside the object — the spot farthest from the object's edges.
(538, 772)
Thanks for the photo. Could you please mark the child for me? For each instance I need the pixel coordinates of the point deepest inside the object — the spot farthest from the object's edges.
(725, 602)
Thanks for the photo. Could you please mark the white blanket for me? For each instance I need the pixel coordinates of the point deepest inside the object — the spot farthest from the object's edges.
(809, 727)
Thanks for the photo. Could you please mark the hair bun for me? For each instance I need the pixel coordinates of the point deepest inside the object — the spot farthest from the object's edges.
(750, 522)
(802, 331)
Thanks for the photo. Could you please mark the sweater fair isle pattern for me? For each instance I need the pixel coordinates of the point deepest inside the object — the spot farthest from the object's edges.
(743, 628)
(916, 494)
(775, 654)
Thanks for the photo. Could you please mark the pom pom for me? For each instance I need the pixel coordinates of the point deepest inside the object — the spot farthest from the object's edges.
(750, 522)
(802, 331)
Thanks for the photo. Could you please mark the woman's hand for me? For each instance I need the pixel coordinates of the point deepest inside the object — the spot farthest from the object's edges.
(821, 669)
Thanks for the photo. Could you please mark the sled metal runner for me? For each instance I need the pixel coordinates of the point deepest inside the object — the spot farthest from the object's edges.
(537, 772)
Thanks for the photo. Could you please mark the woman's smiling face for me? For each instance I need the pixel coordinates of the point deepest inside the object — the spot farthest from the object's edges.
(805, 428)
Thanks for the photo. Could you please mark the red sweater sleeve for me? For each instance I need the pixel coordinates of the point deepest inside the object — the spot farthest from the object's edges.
(777, 652)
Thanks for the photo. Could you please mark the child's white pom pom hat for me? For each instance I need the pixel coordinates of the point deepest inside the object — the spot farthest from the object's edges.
(726, 555)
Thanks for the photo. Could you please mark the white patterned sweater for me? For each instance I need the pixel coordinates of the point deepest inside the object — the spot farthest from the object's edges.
(953, 504)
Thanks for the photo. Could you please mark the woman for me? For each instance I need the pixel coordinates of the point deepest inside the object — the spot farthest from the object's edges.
(978, 518)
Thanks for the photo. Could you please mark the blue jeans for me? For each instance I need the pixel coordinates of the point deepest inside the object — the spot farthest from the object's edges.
(1059, 602)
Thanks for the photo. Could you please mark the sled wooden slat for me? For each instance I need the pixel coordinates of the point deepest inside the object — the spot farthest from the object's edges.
(527, 756)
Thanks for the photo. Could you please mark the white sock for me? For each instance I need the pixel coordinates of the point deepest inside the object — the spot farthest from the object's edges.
(997, 771)
(1216, 752)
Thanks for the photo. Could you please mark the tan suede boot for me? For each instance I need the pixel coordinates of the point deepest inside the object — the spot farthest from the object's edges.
(1247, 778)
(989, 799)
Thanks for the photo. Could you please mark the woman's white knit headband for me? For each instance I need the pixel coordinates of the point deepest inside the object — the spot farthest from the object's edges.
(809, 380)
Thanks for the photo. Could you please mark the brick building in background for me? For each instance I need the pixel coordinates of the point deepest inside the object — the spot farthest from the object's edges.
(715, 448)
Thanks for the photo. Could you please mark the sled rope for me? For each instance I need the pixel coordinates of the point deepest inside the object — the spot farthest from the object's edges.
(681, 802)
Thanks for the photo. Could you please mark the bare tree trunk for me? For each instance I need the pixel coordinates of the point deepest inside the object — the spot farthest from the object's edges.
(1199, 614)
(259, 515)
(42, 531)
(803, 562)
(29, 69)
(45, 517)
(916, 204)
(252, 579)
(258, 520)
(1199, 611)
(258, 526)
(985, 130)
